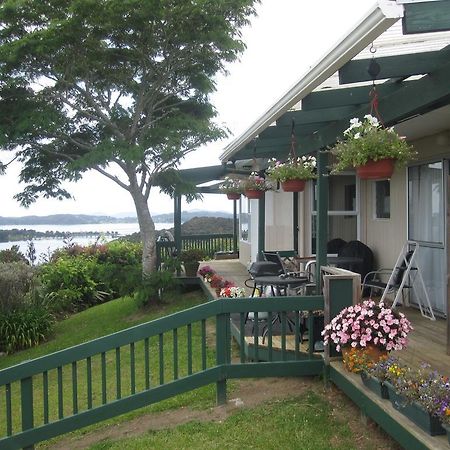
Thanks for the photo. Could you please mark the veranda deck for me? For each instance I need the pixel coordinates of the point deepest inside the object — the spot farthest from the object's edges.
(427, 340)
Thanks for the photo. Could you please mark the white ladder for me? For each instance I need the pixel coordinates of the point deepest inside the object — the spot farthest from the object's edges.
(407, 262)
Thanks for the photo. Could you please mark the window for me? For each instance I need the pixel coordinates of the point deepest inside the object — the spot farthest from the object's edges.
(382, 190)
(244, 219)
(342, 213)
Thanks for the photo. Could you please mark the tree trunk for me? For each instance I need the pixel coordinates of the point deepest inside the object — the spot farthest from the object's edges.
(147, 229)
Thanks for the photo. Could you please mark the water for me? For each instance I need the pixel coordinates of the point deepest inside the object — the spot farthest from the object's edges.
(46, 245)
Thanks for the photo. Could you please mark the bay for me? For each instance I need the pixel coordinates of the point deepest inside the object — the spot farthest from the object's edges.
(48, 245)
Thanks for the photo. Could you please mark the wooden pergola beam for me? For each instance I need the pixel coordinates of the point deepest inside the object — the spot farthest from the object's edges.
(426, 17)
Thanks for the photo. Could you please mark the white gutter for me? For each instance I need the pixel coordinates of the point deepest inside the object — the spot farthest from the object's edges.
(379, 19)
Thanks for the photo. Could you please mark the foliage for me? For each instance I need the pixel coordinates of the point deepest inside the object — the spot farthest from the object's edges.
(69, 281)
(172, 264)
(24, 327)
(206, 272)
(12, 255)
(155, 285)
(380, 368)
(233, 292)
(116, 86)
(370, 141)
(368, 323)
(231, 186)
(256, 182)
(218, 282)
(301, 168)
(192, 255)
(16, 281)
(424, 386)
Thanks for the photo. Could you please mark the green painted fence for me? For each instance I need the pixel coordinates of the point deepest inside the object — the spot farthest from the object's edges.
(33, 404)
(209, 243)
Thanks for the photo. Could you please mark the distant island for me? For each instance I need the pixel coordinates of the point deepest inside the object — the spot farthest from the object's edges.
(82, 219)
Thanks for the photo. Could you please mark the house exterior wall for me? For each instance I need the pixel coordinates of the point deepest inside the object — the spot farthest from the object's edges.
(279, 220)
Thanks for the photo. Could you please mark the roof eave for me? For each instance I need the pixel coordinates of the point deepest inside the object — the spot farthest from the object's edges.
(384, 14)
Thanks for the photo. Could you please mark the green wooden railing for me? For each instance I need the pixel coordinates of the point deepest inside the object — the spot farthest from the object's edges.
(209, 243)
(34, 405)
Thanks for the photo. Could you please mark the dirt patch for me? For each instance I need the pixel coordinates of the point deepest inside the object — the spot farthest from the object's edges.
(248, 393)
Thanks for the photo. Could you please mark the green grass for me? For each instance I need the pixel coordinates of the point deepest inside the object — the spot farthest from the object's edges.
(99, 321)
(304, 422)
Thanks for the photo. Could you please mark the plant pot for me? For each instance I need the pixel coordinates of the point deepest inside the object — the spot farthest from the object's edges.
(376, 170)
(295, 185)
(352, 354)
(254, 194)
(447, 429)
(233, 196)
(191, 268)
(415, 412)
(375, 385)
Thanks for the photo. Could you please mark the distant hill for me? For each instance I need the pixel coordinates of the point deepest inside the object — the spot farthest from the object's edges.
(77, 219)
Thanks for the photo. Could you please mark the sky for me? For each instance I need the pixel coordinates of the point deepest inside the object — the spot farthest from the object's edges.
(283, 42)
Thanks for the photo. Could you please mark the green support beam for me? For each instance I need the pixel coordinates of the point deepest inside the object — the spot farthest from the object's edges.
(284, 131)
(313, 116)
(426, 17)
(177, 222)
(357, 96)
(261, 224)
(322, 215)
(295, 227)
(414, 97)
(398, 66)
(235, 226)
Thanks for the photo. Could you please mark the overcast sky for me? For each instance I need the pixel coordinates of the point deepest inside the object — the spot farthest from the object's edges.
(286, 39)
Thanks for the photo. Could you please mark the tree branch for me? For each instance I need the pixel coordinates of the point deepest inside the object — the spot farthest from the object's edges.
(112, 177)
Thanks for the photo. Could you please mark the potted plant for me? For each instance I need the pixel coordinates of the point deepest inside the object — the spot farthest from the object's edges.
(368, 329)
(255, 186)
(218, 283)
(422, 395)
(191, 259)
(374, 375)
(445, 418)
(232, 292)
(372, 149)
(293, 173)
(206, 272)
(232, 187)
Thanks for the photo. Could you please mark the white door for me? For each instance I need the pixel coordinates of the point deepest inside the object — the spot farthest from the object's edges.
(426, 225)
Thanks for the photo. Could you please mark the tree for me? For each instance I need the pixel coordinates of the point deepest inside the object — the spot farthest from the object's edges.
(117, 86)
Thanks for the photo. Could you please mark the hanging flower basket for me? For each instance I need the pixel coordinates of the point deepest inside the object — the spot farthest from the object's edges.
(293, 173)
(295, 185)
(367, 145)
(233, 196)
(376, 170)
(253, 194)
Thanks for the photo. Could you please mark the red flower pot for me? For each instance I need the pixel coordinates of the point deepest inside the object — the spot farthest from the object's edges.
(233, 196)
(254, 194)
(376, 170)
(295, 185)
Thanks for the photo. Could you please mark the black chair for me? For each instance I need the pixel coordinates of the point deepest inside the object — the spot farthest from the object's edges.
(359, 250)
(335, 245)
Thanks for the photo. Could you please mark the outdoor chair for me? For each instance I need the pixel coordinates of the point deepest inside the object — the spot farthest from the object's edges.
(403, 276)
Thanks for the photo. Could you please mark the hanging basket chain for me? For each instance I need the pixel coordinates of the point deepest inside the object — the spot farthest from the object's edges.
(292, 152)
(374, 70)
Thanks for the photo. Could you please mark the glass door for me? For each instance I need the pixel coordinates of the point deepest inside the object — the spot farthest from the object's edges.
(426, 225)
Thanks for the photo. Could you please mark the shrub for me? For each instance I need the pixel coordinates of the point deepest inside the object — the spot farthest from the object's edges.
(16, 280)
(12, 254)
(68, 281)
(154, 286)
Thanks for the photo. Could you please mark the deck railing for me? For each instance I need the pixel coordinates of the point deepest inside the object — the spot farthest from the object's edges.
(34, 400)
(209, 243)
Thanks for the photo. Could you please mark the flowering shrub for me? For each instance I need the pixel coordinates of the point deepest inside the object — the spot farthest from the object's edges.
(231, 186)
(255, 183)
(232, 292)
(368, 323)
(206, 272)
(367, 140)
(301, 168)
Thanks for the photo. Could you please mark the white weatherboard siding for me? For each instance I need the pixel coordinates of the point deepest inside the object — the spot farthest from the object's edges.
(279, 221)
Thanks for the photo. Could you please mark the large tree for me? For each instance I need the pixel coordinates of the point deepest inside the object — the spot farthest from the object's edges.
(116, 86)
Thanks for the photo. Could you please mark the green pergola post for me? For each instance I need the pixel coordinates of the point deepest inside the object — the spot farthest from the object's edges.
(261, 224)
(235, 227)
(322, 215)
(295, 221)
(177, 222)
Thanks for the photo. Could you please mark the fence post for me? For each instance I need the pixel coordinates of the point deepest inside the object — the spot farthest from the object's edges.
(26, 397)
(222, 355)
